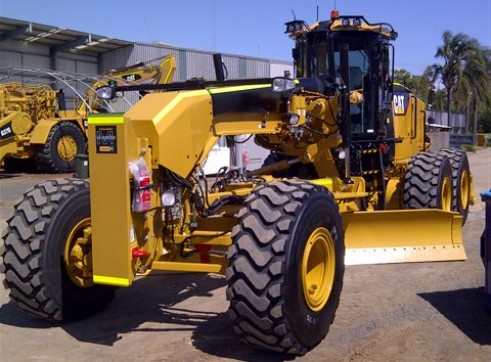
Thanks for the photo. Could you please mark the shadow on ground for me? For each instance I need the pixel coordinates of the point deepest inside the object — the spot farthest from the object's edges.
(466, 309)
(149, 306)
(7, 175)
(13, 166)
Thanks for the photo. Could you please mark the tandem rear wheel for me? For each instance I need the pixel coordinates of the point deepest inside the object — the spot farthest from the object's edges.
(461, 180)
(428, 182)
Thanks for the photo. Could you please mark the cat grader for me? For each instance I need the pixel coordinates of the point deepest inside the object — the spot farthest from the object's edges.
(349, 181)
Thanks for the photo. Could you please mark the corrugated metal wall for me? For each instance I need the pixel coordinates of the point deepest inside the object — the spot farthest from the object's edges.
(278, 68)
(190, 63)
(36, 56)
(457, 121)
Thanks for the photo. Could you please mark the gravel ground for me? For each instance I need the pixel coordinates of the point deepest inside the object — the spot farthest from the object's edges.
(404, 312)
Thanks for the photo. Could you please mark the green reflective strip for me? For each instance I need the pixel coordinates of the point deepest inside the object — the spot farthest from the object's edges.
(120, 282)
(106, 119)
(238, 88)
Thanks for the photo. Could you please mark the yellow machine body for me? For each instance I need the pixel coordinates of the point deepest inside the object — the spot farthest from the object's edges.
(348, 181)
(176, 130)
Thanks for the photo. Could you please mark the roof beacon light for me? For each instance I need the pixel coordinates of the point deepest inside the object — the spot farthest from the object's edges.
(334, 14)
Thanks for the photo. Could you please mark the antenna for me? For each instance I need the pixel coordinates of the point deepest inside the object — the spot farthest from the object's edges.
(294, 16)
(317, 13)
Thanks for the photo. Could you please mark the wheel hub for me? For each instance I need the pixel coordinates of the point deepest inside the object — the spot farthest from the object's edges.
(67, 148)
(464, 190)
(447, 194)
(318, 269)
(78, 254)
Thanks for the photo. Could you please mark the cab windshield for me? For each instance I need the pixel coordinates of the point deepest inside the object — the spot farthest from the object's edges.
(317, 56)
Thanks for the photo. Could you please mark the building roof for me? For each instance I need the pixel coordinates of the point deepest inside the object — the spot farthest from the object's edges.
(57, 39)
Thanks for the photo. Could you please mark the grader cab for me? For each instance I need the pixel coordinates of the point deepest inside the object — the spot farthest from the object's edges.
(349, 181)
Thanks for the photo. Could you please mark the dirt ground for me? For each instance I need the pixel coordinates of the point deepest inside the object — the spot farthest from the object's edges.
(404, 312)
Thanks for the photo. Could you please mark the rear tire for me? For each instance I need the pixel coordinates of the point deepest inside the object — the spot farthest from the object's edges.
(286, 267)
(49, 220)
(461, 182)
(64, 142)
(428, 182)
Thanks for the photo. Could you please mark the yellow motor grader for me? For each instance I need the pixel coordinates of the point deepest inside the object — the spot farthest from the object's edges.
(349, 181)
(35, 124)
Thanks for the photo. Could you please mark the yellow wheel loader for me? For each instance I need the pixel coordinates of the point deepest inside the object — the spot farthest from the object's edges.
(35, 124)
(350, 181)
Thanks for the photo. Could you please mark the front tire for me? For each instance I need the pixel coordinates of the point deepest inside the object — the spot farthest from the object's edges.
(286, 267)
(47, 253)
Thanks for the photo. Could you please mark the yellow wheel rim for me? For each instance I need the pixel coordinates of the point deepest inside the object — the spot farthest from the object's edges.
(78, 254)
(447, 194)
(318, 268)
(464, 189)
(66, 148)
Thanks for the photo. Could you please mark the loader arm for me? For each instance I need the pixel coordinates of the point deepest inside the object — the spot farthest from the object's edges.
(141, 73)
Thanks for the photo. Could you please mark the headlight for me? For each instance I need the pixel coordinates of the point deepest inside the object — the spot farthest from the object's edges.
(168, 198)
(292, 118)
(106, 92)
(283, 84)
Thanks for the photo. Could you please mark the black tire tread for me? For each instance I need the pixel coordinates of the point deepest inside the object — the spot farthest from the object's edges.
(459, 163)
(254, 285)
(22, 252)
(44, 154)
(422, 180)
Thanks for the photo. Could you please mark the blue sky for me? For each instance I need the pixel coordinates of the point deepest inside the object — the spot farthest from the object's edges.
(256, 27)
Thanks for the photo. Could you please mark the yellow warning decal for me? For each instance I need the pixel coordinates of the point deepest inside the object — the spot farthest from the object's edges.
(120, 282)
(106, 119)
(238, 88)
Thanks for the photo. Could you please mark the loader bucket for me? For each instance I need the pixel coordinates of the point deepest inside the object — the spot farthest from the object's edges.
(402, 236)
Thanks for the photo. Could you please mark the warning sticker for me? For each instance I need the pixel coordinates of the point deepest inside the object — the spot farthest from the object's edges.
(106, 139)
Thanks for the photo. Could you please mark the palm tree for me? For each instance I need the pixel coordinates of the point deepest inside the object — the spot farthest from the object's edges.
(454, 51)
(474, 87)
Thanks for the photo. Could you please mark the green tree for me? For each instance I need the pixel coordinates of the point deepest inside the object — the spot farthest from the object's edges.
(419, 85)
(484, 125)
(465, 74)
(453, 52)
(472, 92)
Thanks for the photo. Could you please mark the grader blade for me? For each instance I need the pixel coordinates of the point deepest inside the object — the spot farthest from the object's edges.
(402, 236)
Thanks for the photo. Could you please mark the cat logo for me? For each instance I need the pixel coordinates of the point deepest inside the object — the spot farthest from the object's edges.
(131, 77)
(399, 104)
